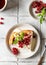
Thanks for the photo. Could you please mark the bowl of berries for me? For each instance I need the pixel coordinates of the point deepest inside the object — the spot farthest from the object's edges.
(38, 10)
(23, 40)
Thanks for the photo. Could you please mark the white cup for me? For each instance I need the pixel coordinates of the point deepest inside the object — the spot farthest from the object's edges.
(4, 6)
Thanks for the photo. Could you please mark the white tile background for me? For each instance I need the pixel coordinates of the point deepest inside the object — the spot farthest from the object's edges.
(17, 11)
(8, 23)
(8, 63)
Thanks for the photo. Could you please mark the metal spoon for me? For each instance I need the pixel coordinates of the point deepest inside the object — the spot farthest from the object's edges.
(42, 56)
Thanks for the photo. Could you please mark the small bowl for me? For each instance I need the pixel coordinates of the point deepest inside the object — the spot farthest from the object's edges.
(32, 11)
(4, 6)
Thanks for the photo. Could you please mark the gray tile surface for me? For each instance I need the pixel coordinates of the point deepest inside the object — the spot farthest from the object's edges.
(43, 47)
(17, 11)
(31, 21)
(30, 64)
(27, 63)
(24, 7)
(8, 23)
(11, 9)
(5, 53)
(43, 29)
(8, 63)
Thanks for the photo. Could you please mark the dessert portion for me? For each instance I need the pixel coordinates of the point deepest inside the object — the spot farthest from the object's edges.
(22, 39)
(39, 10)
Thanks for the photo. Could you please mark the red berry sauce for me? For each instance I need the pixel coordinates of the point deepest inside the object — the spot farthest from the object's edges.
(39, 5)
(15, 51)
(21, 44)
(2, 3)
(25, 41)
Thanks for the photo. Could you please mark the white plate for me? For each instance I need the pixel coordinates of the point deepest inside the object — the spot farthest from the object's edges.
(24, 52)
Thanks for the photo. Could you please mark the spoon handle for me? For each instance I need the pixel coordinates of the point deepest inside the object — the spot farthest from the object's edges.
(40, 61)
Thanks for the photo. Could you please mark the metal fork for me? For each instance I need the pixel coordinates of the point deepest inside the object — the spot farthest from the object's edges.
(42, 56)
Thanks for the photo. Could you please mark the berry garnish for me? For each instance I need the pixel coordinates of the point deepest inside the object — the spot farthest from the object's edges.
(21, 44)
(34, 4)
(26, 41)
(1, 23)
(1, 18)
(15, 51)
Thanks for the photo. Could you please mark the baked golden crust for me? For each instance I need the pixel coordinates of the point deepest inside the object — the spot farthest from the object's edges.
(27, 31)
(11, 37)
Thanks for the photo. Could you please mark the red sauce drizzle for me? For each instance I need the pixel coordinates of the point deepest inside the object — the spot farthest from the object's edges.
(2, 3)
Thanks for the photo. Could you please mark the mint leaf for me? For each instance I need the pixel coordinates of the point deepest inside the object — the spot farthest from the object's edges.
(41, 19)
(21, 36)
(39, 14)
(18, 38)
(43, 12)
(15, 41)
